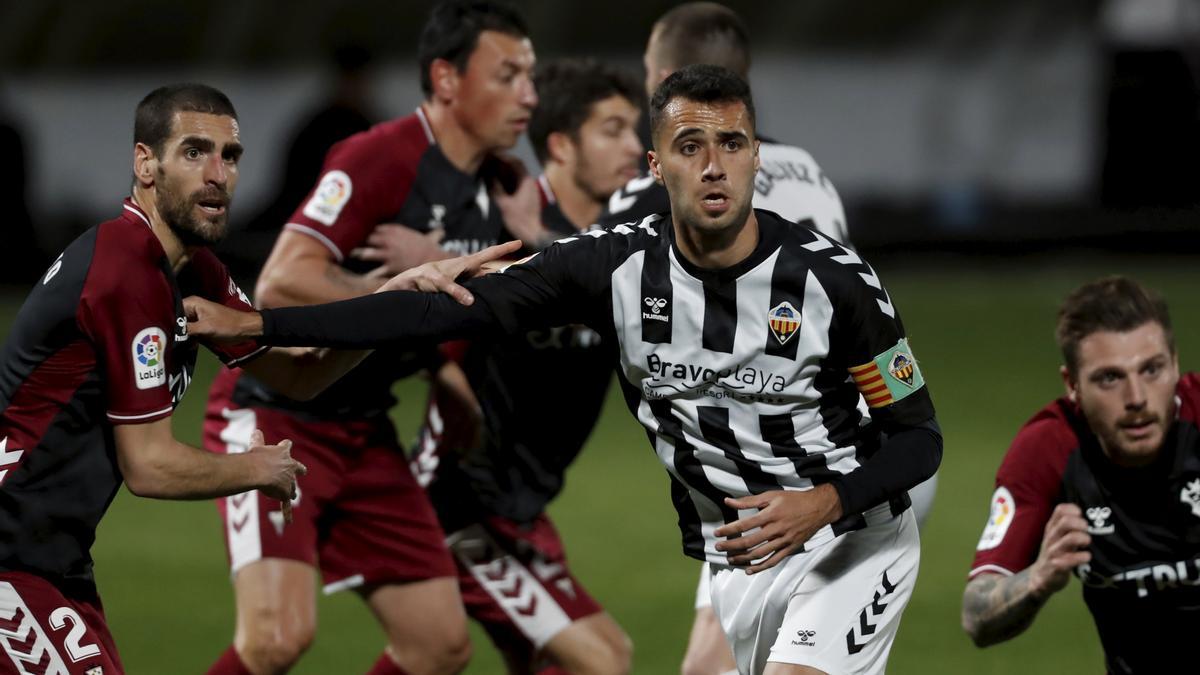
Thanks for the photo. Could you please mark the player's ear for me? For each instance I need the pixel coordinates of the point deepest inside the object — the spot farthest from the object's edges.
(655, 169)
(560, 147)
(757, 157)
(1069, 384)
(444, 77)
(145, 164)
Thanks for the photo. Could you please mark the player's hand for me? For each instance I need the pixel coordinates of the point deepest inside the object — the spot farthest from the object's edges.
(442, 276)
(278, 471)
(208, 319)
(397, 248)
(785, 520)
(516, 194)
(1064, 547)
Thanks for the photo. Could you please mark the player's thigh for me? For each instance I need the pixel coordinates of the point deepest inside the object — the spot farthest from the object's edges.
(789, 669)
(593, 644)
(276, 602)
(707, 651)
(41, 630)
(420, 614)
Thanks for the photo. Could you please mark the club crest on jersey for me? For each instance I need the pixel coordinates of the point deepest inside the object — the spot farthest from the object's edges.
(784, 321)
(1190, 495)
(149, 347)
(656, 307)
(331, 195)
(1099, 515)
(902, 368)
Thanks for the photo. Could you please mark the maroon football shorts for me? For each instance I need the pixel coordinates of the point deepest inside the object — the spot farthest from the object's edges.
(42, 631)
(515, 582)
(359, 514)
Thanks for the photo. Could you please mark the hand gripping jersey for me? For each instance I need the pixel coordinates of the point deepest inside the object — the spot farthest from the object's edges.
(788, 182)
(102, 340)
(392, 173)
(747, 379)
(1143, 583)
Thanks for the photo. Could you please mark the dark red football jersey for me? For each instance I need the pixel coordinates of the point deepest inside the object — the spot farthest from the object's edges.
(101, 340)
(1143, 582)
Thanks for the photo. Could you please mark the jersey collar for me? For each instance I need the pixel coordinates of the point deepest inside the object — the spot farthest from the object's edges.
(426, 126)
(134, 212)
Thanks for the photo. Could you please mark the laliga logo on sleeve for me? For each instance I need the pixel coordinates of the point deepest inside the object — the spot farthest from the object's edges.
(149, 370)
(331, 195)
(999, 518)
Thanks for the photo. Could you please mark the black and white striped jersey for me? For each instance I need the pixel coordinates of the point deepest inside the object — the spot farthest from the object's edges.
(746, 379)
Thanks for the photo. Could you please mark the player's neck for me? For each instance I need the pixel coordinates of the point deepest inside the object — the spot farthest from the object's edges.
(575, 203)
(463, 150)
(717, 250)
(177, 254)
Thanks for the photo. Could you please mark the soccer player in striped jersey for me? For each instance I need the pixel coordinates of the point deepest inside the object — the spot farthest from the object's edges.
(745, 343)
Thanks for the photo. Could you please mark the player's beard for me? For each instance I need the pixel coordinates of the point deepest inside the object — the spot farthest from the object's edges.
(179, 213)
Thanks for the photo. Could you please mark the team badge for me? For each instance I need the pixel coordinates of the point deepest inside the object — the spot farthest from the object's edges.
(149, 347)
(902, 368)
(1001, 515)
(1191, 496)
(784, 321)
(331, 195)
(889, 377)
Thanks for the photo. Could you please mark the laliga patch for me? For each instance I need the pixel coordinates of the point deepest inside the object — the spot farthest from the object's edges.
(1004, 509)
(889, 377)
(331, 195)
(784, 321)
(149, 358)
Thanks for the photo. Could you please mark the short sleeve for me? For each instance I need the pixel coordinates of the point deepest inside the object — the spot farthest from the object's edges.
(1028, 486)
(208, 277)
(360, 187)
(131, 326)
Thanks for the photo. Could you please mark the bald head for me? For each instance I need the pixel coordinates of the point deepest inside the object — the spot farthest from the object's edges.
(697, 33)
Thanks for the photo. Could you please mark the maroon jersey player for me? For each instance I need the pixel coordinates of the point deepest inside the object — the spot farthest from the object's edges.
(1103, 483)
(92, 369)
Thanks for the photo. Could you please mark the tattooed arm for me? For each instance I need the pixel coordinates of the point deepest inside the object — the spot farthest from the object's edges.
(998, 608)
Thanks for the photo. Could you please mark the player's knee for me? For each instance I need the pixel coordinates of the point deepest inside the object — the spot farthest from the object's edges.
(622, 653)
(443, 654)
(275, 648)
(694, 664)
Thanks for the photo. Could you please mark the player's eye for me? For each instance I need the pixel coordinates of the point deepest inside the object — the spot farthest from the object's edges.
(192, 153)
(733, 145)
(689, 148)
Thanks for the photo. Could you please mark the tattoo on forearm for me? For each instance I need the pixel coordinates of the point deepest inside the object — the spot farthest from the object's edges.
(997, 608)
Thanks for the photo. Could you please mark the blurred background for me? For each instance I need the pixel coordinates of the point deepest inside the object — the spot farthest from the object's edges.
(991, 154)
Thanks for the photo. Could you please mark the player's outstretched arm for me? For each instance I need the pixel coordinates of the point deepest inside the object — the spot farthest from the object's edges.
(156, 465)
(998, 608)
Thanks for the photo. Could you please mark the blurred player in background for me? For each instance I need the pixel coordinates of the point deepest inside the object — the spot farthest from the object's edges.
(362, 520)
(788, 181)
(96, 361)
(1105, 483)
(745, 343)
(491, 488)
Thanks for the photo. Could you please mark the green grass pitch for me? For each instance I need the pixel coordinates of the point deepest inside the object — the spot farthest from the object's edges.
(983, 335)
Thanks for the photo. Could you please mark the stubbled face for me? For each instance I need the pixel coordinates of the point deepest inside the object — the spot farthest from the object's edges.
(1125, 386)
(494, 95)
(196, 176)
(606, 149)
(706, 156)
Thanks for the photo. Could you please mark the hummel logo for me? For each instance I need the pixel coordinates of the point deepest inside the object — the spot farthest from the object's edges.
(1190, 494)
(1099, 515)
(8, 458)
(656, 305)
(806, 638)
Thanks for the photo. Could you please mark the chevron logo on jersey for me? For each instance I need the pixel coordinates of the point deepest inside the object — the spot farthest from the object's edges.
(784, 321)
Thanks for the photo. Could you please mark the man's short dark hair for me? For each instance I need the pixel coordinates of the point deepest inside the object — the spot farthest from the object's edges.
(702, 84)
(567, 89)
(452, 31)
(155, 115)
(703, 32)
(1117, 304)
